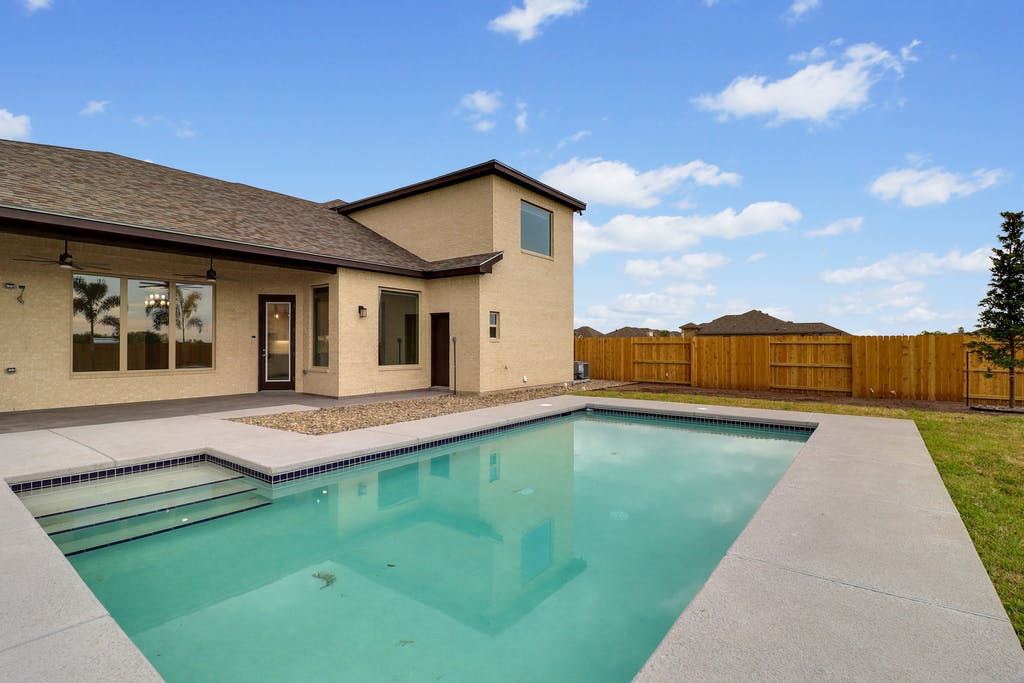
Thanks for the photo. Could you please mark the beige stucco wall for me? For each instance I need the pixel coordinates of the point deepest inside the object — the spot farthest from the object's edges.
(35, 337)
(445, 223)
(360, 372)
(532, 293)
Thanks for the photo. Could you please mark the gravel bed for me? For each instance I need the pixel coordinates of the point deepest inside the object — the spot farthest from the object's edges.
(342, 419)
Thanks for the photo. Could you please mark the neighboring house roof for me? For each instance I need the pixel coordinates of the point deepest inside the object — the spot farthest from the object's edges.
(110, 194)
(756, 322)
(480, 170)
(586, 331)
(641, 332)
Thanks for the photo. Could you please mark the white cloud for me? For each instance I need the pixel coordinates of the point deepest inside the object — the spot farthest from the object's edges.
(34, 5)
(815, 54)
(526, 21)
(521, 124)
(666, 309)
(93, 107)
(843, 225)
(618, 184)
(913, 264)
(477, 106)
(575, 137)
(181, 129)
(902, 295)
(801, 7)
(817, 93)
(693, 266)
(907, 50)
(754, 258)
(14, 127)
(481, 102)
(920, 187)
(629, 233)
(780, 312)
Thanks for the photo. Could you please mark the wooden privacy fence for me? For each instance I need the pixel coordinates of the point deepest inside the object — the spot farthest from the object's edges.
(923, 367)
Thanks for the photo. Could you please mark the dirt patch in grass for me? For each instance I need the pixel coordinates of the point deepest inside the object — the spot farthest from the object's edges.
(897, 403)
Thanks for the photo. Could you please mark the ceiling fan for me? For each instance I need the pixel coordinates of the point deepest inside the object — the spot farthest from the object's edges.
(63, 261)
(209, 276)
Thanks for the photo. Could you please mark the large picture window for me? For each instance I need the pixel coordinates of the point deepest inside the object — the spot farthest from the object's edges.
(535, 229)
(148, 318)
(96, 323)
(398, 328)
(193, 318)
(321, 327)
(149, 314)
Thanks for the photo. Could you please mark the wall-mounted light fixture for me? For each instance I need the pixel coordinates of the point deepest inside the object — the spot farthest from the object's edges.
(362, 311)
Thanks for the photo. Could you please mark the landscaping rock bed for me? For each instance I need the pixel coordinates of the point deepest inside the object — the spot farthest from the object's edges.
(345, 418)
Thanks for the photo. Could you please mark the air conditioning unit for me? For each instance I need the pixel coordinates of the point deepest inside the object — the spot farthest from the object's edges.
(580, 370)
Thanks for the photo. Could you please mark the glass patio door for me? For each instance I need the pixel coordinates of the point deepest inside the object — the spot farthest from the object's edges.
(277, 342)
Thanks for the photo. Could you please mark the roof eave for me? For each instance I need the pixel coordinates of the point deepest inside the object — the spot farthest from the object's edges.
(44, 224)
(493, 166)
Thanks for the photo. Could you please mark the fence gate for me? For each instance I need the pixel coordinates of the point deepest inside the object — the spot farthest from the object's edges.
(662, 360)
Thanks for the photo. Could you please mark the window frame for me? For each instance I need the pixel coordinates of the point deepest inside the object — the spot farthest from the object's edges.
(122, 369)
(314, 323)
(494, 325)
(381, 352)
(523, 204)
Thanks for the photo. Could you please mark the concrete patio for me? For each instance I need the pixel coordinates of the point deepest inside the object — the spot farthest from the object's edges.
(857, 566)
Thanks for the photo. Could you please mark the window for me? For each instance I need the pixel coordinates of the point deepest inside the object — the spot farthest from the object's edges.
(398, 328)
(96, 323)
(493, 327)
(150, 312)
(321, 327)
(148, 320)
(535, 229)
(193, 318)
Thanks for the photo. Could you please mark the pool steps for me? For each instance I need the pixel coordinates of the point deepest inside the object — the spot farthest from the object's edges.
(125, 508)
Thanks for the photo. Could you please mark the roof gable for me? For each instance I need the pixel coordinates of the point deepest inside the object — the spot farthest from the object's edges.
(492, 167)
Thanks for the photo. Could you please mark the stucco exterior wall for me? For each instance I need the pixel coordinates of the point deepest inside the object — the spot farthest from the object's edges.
(444, 223)
(35, 337)
(533, 295)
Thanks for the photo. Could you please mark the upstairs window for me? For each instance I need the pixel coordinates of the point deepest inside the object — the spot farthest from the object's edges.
(535, 229)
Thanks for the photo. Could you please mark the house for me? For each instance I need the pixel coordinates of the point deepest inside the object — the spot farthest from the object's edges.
(125, 281)
(586, 332)
(756, 323)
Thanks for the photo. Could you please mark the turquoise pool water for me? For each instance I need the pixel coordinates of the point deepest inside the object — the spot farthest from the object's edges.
(563, 551)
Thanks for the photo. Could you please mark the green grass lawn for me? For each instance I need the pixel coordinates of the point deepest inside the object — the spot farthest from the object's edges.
(980, 457)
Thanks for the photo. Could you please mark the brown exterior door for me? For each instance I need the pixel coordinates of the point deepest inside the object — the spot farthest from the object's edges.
(277, 342)
(439, 350)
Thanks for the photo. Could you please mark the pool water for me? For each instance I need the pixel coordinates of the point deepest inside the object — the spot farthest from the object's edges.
(563, 551)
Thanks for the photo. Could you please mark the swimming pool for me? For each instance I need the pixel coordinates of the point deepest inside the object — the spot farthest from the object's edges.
(561, 551)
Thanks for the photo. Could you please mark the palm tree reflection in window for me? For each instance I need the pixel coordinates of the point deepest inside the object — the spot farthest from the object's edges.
(193, 317)
(94, 303)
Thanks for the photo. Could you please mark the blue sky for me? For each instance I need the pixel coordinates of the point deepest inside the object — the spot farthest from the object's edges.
(816, 159)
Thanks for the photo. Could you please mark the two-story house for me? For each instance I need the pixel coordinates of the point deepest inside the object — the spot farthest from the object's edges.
(124, 280)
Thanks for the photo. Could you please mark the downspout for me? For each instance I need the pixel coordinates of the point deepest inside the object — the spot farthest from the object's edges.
(455, 368)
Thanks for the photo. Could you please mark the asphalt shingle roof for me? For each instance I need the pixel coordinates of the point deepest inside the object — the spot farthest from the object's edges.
(756, 322)
(113, 188)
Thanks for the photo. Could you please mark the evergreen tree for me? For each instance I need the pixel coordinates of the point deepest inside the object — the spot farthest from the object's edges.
(1002, 315)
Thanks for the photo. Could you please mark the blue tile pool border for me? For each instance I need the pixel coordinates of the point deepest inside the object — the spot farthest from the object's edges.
(313, 470)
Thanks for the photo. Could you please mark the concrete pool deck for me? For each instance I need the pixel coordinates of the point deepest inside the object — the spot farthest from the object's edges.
(857, 565)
